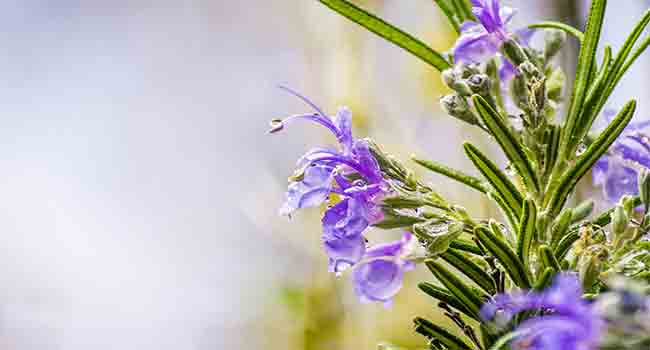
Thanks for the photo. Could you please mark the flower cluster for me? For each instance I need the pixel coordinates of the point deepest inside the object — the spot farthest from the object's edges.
(351, 174)
(564, 321)
(617, 171)
(512, 92)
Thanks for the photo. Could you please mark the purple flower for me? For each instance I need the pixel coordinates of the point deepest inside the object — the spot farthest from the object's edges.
(351, 172)
(617, 171)
(482, 40)
(566, 320)
(380, 277)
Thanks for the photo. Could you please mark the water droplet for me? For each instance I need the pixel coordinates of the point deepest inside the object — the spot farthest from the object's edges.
(581, 149)
(437, 228)
(510, 170)
(276, 125)
(340, 267)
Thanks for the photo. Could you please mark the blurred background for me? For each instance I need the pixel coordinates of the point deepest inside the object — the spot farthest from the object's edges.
(139, 190)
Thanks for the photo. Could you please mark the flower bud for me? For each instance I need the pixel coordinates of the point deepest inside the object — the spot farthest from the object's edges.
(465, 71)
(457, 107)
(453, 79)
(519, 92)
(644, 187)
(553, 42)
(555, 84)
(479, 84)
(529, 71)
(513, 51)
(590, 265)
(449, 77)
(437, 235)
(620, 221)
(538, 95)
(627, 201)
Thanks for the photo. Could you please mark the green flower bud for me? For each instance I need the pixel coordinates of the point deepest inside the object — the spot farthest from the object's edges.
(620, 221)
(513, 51)
(644, 187)
(627, 202)
(449, 77)
(529, 71)
(519, 92)
(590, 265)
(479, 84)
(582, 210)
(538, 95)
(453, 79)
(553, 42)
(465, 71)
(457, 107)
(437, 235)
(555, 84)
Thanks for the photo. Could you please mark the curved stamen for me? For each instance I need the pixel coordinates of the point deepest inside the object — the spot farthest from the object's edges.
(304, 99)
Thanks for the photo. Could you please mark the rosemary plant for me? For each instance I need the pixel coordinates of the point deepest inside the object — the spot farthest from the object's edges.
(545, 275)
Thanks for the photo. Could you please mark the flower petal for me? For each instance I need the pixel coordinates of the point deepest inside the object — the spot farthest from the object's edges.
(378, 280)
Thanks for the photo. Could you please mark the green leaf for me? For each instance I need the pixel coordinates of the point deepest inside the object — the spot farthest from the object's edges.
(431, 331)
(464, 10)
(586, 60)
(443, 295)
(565, 244)
(569, 180)
(594, 94)
(505, 255)
(561, 26)
(545, 279)
(508, 214)
(503, 187)
(466, 246)
(474, 272)
(527, 225)
(465, 295)
(452, 174)
(388, 32)
(509, 143)
(630, 41)
(552, 141)
(505, 340)
(449, 13)
(642, 47)
(600, 92)
(548, 259)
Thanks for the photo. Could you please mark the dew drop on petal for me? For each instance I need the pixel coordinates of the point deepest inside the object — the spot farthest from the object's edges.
(276, 125)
